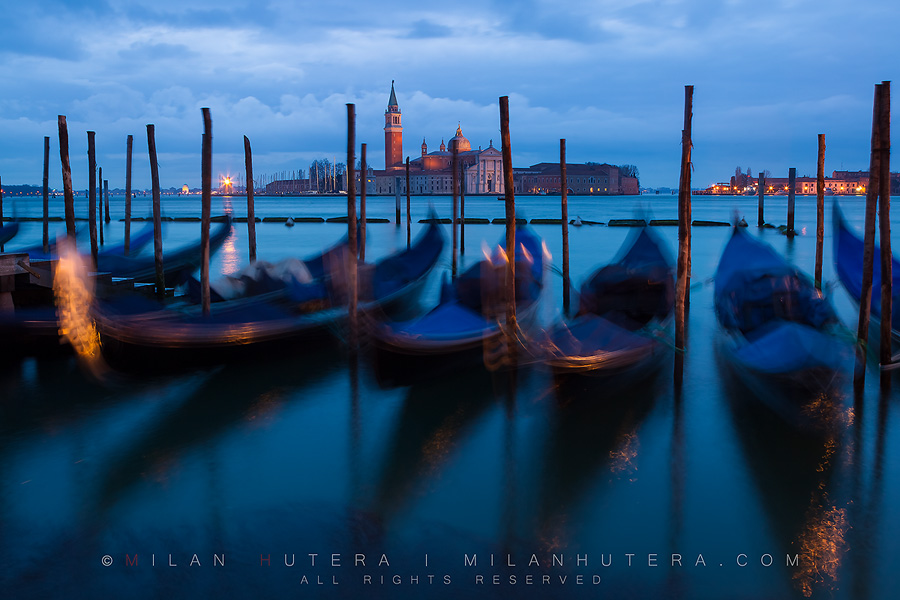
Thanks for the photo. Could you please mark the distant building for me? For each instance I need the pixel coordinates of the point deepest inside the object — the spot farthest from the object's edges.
(581, 179)
(431, 172)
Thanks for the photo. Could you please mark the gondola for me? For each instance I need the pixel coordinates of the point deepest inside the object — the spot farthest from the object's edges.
(106, 253)
(782, 337)
(8, 231)
(466, 325)
(178, 264)
(848, 256)
(33, 327)
(623, 310)
(134, 329)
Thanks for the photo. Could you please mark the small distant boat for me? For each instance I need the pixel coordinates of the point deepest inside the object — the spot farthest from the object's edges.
(848, 256)
(577, 222)
(782, 337)
(289, 222)
(622, 309)
(466, 325)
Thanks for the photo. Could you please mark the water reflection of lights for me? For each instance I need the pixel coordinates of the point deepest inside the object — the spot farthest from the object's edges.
(74, 293)
(624, 454)
(822, 541)
(822, 546)
(231, 262)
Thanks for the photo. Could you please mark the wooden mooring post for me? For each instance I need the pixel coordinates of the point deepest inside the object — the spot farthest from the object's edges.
(884, 225)
(157, 214)
(251, 211)
(454, 186)
(46, 198)
(205, 209)
(820, 210)
(564, 207)
(363, 180)
(509, 190)
(128, 147)
(100, 203)
(865, 295)
(106, 217)
(68, 194)
(761, 189)
(353, 283)
(462, 209)
(1, 209)
(397, 199)
(792, 184)
(682, 285)
(408, 218)
(92, 199)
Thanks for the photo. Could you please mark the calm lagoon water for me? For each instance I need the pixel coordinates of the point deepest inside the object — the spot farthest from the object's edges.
(639, 493)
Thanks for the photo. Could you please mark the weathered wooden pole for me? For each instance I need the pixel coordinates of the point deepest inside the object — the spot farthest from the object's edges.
(363, 181)
(68, 194)
(454, 207)
(884, 225)
(509, 189)
(397, 199)
(100, 202)
(462, 210)
(157, 214)
(1, 210)
(251, 213)
(352, 281)
(408, 219)
(865, 294)
(92, 199)
(46, 236)
(761, 189)
(128, 144)
(820, 210)
(106, 200)
(205, 209)
(564, 204)
(792, 184)
(684, 234)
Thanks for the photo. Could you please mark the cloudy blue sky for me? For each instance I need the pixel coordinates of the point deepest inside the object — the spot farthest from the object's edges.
(607, 75)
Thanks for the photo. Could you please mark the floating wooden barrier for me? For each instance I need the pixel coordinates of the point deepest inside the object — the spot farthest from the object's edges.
(436, 220)
(477, 221)
(625, 222)
(502, 221)
(255, 220)
(343, 219)
(186, 219)
(377, 220)
(710, 224)
(545, 221)
(664, 223)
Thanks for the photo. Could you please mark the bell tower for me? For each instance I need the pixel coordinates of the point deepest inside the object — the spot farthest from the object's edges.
(393, 134)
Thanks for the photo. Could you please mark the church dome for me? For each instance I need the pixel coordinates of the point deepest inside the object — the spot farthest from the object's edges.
(462, 144)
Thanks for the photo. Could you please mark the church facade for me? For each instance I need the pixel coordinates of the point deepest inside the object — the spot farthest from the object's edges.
(432, 172)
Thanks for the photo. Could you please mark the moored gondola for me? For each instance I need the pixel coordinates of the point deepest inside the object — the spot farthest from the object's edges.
(465, 328)
(623, 311)
(137, 333)
(782, 337)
